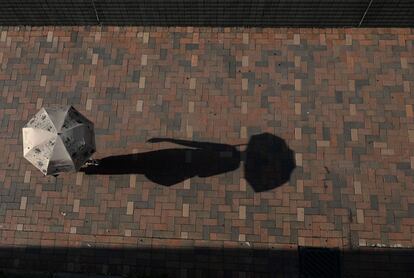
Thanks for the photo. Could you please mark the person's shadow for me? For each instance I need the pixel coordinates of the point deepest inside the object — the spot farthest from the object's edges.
(268, 162)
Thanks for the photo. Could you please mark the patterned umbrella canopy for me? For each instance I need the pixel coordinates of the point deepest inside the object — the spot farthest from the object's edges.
(58, 140)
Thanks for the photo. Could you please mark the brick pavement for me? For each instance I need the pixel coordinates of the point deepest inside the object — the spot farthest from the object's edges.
(341, 98)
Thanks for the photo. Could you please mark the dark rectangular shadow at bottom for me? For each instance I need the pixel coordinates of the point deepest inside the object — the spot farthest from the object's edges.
(202, 262)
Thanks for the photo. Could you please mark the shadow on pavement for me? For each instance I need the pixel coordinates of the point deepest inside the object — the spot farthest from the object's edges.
(268, 162)
(210, 262)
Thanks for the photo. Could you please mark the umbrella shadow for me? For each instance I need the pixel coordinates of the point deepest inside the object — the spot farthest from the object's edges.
(268, 162)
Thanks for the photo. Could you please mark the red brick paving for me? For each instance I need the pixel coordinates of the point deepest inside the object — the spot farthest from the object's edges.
(341, 98)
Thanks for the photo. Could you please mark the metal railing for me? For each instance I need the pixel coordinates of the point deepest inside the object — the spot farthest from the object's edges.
(261, 13)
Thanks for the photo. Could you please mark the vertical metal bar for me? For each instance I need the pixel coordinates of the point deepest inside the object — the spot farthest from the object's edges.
(96, 12)
(365, 13)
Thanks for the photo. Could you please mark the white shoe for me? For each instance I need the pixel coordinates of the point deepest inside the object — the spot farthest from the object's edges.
(92, 162)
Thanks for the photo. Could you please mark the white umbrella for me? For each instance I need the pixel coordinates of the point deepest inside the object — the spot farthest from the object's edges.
(58, 140)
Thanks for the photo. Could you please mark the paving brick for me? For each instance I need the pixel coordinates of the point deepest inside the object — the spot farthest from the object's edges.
(374, 201)
(189, 131)
(387, 152)
(23, 203)
(322, 143)
(132, 181)
(380, 145)
(43, 79)
(144, 60)
(300, 214)
(245, 61)
(245, 84)
(89, 104)
(95, 58)
(128, 232)
(92, 81)
(193, 83)
(242, 212)
(186, 210)
(406, 86)
(184, 235)
(46, 59)
(3, 36)
(139, 106)
(298, 84)
(299, 159)
(296, 39)
(298, 133)
(191, 46)
(411, 135)
(194, 60)
(79, 178)
(244, 107)
(243, 132)
(348, 39)
(404, 63)
(142, 82)
(27, 176)
(322, 39)
(130, 208)
(298, 108)
(76, 204)
(299, 186)
(145, 37)
(360, 216)
(354, 134)
(297, 61)
(409, 110)
(351, 85)
(49, 36)
(357, 187)
(242, 184)
(187, 184)
(246, 38)
(39, 103)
